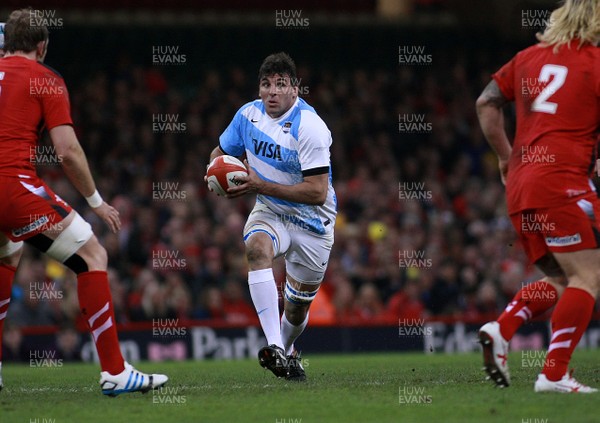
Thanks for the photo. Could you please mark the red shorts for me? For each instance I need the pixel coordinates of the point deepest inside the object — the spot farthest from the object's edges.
(29, 207)
(572, 227)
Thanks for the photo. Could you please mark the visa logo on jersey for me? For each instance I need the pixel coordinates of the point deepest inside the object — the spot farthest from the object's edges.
(267, 149)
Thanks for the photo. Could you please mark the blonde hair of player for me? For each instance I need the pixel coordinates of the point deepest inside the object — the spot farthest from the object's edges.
(575, 19)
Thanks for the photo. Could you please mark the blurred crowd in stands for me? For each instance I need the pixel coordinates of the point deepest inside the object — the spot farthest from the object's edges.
(422, 230)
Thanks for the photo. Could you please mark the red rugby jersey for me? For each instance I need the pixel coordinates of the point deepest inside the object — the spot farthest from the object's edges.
(32, 96)
(557, 99)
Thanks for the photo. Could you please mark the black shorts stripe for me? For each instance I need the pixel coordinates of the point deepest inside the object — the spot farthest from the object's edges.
(60, 210)
(40, 241)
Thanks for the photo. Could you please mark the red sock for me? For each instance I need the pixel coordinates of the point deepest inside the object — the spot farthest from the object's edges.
(7, 274)
(532, 300)
(96, 306)
(569, 320)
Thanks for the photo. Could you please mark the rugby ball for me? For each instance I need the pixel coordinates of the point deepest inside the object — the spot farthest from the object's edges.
(223, 173)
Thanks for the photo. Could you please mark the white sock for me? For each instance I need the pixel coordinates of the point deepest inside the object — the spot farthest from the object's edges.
(266, 302)
(289, 333)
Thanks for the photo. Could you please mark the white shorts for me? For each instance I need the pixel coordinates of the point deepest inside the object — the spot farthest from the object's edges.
(306, 253)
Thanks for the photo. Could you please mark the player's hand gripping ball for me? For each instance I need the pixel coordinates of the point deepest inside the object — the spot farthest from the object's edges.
(223, 173)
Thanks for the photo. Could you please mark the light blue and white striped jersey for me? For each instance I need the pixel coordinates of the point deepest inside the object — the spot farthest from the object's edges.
(284, 151)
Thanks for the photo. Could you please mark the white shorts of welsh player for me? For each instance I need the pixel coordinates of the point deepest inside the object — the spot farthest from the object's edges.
(306, 253)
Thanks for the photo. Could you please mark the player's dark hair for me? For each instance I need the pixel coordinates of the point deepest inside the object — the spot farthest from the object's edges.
(278, 63)
(23, 31)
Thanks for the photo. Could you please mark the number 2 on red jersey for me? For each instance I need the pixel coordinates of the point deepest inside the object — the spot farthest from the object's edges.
(558, 74)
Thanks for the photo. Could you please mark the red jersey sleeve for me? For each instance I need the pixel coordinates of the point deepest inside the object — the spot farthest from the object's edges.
(56, 107)
(505, 78)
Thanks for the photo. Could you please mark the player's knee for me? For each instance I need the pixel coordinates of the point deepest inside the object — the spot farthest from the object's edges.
(559, 283)
(260, 248)
(101, 258)
(94, 255)
(258, 257)
(588, 281)
(595, 280)
(76, 247)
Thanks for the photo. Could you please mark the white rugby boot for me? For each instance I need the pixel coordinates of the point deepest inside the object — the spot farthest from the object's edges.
(566, 385)
(130, 380)
(495, 354)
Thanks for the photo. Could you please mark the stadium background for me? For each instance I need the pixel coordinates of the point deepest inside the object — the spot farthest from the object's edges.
(422, 231)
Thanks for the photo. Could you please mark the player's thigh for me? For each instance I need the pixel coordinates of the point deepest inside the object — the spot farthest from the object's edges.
(303, 290)
(308, 255)
(532, 227)
(571, 233)
(30, 207)
(305, 265)
(73, 243)
(264, 237)
(41, 218)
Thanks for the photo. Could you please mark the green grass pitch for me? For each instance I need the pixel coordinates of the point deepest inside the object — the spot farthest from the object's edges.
(341, 388)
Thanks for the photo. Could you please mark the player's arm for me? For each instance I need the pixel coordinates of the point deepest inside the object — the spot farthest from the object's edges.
(491, 118)
(312, 190)
(216, 153)
(75, 166)
(74, 161)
